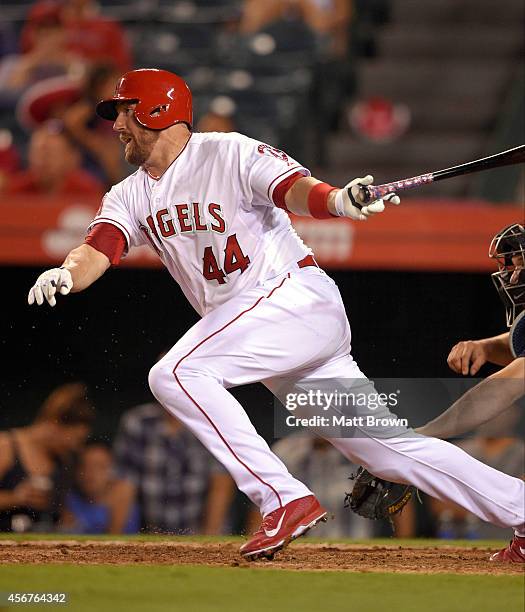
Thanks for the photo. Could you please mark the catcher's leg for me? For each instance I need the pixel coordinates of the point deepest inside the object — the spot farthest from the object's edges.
(400, 455)
(443, 471)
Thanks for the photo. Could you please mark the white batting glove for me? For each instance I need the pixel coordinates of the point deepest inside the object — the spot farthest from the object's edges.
(48, 283)
(349, 200)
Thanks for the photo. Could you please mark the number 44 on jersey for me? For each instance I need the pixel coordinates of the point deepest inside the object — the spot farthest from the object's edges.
(234, 259)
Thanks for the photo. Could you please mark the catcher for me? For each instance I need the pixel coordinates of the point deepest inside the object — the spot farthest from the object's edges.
(377, 499)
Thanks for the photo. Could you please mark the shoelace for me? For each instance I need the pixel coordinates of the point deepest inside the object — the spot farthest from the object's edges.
(266, 523)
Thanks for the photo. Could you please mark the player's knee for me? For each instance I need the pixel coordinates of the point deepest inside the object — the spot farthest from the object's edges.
(159, 379)
(165, 379)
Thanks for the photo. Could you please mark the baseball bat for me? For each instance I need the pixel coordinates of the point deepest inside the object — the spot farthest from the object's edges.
(505, 158)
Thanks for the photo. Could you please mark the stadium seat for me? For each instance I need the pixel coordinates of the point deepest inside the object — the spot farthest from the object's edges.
(281, 46)
(15, 10)
(175, 47)
(125, 12)
(197, 11)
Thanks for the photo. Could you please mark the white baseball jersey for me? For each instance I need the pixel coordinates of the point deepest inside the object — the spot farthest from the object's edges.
(211, 217)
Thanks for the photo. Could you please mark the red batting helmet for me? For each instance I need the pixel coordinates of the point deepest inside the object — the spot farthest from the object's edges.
(162, 98)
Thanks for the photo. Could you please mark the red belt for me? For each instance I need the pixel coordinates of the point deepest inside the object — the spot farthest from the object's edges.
(307, 261)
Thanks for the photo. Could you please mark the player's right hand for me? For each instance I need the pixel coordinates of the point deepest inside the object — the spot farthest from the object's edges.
(467, 357)
(47, 284)
(349, 201)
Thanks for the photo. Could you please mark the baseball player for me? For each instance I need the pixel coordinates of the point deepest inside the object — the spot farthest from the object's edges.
(497, 392)
(213, 207)
(484, 401)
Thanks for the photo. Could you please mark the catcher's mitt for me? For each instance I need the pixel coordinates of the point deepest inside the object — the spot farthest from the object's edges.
(377, 499)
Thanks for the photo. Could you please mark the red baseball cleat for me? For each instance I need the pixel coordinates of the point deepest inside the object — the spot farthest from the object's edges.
(282, 526)
(514, 553)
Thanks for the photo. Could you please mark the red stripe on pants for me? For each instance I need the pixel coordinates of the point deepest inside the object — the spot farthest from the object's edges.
(202, 409)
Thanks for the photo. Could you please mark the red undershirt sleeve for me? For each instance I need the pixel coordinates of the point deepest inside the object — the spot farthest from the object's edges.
(282, 188)
(107, 239)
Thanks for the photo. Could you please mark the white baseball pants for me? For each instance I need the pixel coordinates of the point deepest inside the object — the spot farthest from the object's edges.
(294, 328)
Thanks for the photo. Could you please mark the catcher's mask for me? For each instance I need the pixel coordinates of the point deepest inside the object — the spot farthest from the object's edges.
(163, 98)
(508, 249)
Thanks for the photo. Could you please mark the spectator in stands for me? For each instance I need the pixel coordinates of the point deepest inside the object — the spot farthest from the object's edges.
(35, 460)
(179, 486)
(48, 56)
(496, 444)
(211, 122)
(327, 472)
(99, 503)
(53, 167)
(46, 100)
(330, 19)
(219, 117)
(9, 157)
(92, 36)
(7, 38)
(103, 154)
(255, 14)
(334, 78)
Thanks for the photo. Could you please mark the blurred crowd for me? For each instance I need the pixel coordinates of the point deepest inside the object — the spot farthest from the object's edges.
(262, 68)
(156, 477)
(286, 72)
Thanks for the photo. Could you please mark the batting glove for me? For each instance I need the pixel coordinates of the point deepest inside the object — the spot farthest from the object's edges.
(349, 201)
(48, 283)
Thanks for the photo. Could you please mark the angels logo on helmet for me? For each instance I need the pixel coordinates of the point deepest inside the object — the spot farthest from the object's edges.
(163, 98)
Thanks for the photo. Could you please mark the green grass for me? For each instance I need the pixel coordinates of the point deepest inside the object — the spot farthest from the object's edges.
(133, 588)
(102, 588)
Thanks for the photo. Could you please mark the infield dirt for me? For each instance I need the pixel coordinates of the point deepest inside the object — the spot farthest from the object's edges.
(300, 556)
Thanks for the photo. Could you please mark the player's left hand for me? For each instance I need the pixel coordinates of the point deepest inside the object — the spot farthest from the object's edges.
(47, 284)
(349, 201)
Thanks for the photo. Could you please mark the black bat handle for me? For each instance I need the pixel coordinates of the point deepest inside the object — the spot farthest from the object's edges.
(375, 192)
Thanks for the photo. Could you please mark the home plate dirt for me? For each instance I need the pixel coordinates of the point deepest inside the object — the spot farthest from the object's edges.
(355, 558)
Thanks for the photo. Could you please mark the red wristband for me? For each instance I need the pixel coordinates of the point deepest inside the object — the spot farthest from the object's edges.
(318, 201)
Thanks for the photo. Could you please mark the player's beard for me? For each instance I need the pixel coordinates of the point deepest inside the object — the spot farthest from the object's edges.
(139, 148)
